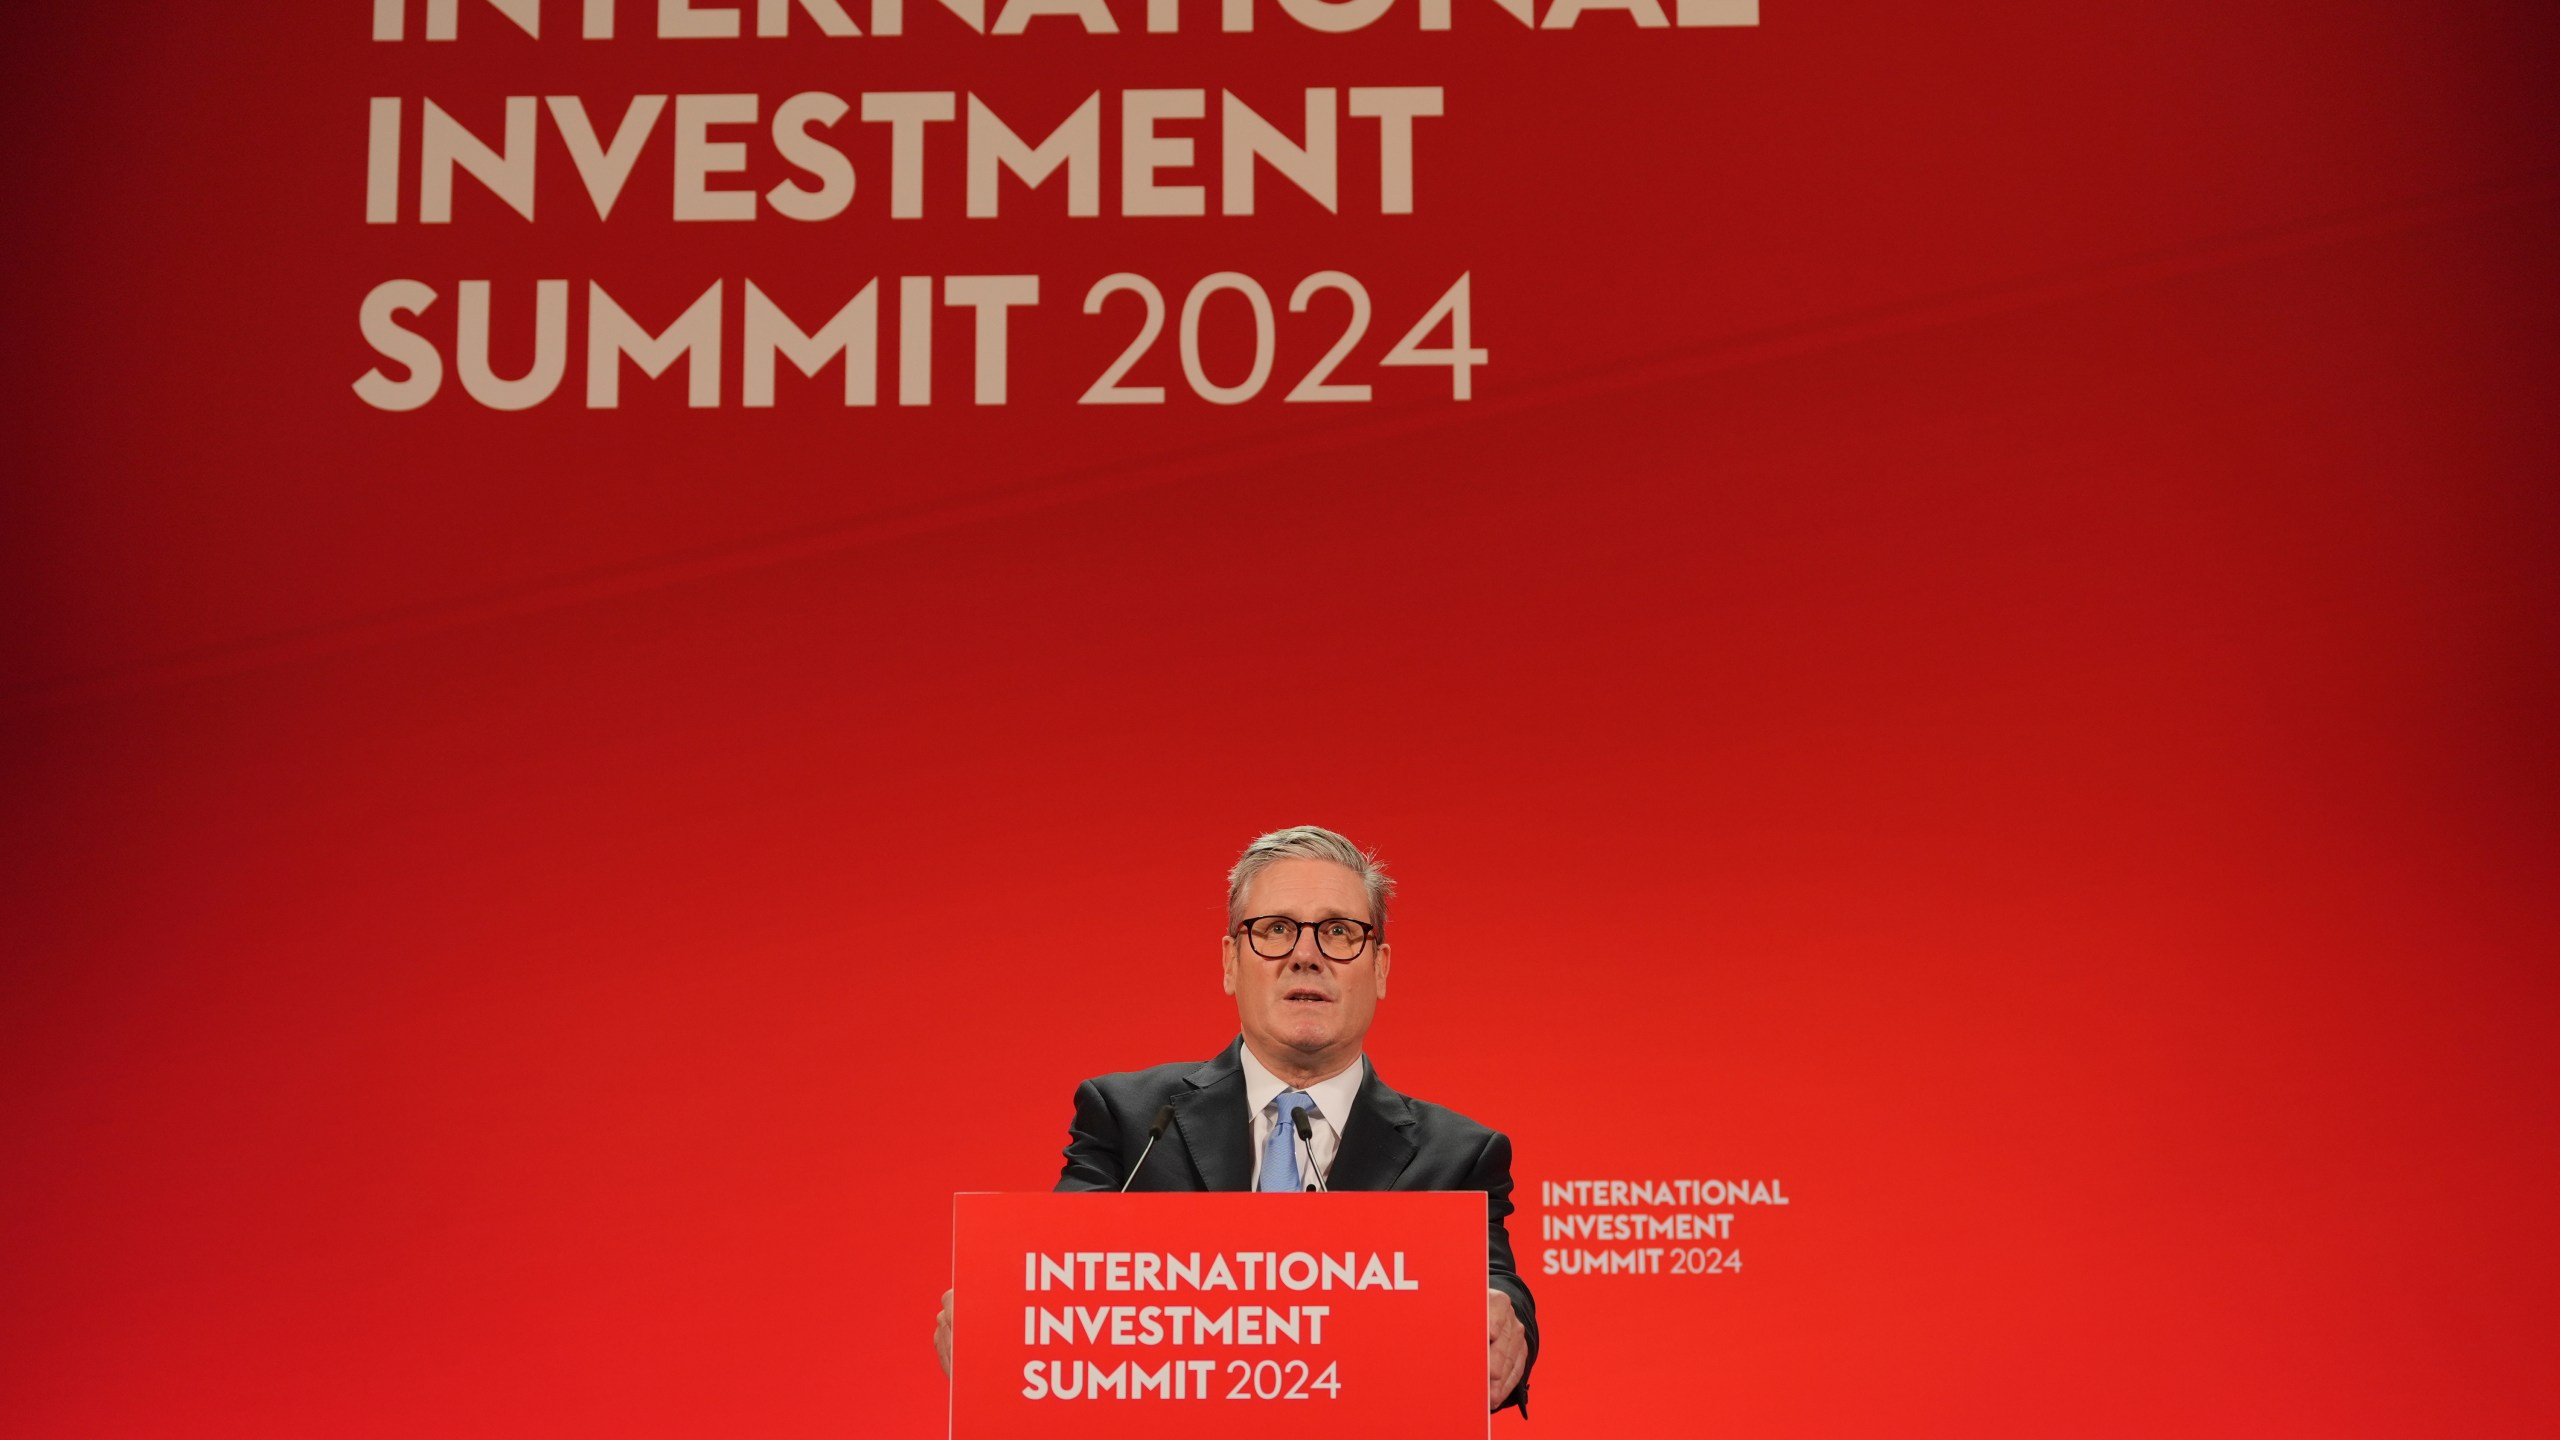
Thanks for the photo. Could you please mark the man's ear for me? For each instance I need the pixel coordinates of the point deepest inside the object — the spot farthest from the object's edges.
(1227, 961)
(1384, 955)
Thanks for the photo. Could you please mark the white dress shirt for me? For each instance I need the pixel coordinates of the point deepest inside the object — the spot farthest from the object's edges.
(1332, 1110)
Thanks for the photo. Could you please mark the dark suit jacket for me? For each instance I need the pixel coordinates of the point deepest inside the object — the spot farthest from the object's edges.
(1389, 1142)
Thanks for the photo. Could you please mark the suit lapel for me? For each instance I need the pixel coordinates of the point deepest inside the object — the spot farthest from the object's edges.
(1215, 1130)
(1377, 1143)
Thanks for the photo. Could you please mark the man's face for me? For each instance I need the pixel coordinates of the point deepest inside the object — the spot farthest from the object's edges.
(1304, 1014)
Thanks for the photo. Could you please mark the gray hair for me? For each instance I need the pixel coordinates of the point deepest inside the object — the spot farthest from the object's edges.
(1309, 842)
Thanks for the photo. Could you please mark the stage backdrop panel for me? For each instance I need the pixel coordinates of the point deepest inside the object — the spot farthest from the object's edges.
(1951, 644)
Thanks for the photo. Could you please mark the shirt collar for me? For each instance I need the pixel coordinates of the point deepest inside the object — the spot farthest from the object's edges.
(1333, 1094)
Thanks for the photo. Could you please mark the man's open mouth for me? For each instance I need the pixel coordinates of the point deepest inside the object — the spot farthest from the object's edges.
(1308, 997)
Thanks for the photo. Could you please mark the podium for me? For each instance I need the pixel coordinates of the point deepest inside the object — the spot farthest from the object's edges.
(1137, 1316)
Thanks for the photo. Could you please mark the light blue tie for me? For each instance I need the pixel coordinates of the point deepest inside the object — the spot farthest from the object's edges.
(1280, 1152)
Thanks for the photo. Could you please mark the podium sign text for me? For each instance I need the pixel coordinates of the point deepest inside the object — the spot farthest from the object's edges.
(1184, 1315)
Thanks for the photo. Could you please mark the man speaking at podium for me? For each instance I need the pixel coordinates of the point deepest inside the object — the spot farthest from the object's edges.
(1292, 1104)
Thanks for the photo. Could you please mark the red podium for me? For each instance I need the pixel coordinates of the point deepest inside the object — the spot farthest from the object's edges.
(1134, 1316)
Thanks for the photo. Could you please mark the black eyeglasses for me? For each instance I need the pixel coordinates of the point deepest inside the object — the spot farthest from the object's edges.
(1275, 937)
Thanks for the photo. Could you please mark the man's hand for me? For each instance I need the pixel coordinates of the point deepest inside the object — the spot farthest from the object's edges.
(942, 1333)
(1502, 1335)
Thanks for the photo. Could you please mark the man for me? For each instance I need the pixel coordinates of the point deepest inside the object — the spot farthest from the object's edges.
(1306, 958)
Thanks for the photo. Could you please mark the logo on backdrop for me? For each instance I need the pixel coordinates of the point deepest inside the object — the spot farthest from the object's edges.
(1651, 1227)
(811, 157)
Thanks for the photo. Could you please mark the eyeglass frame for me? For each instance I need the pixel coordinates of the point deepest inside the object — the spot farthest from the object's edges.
(1370, 934)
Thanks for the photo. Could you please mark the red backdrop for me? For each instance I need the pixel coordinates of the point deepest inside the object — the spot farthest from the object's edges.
(1983, 649)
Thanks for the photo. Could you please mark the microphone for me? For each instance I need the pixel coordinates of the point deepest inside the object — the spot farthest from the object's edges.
(1307, 1142)
(1155, 1132)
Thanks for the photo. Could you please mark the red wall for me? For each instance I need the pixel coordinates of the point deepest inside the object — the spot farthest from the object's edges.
(1983, 649)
